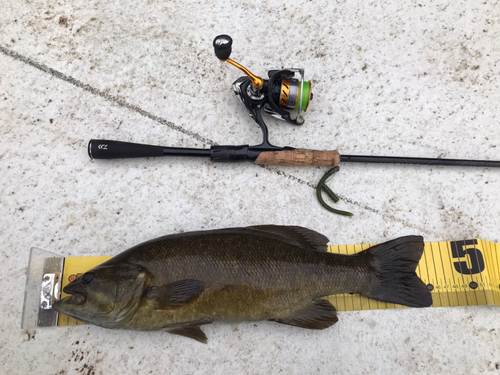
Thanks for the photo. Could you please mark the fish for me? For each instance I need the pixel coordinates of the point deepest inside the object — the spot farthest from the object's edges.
(181, 282)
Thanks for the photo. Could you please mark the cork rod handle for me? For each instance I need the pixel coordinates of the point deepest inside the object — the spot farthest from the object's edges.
(299, 157)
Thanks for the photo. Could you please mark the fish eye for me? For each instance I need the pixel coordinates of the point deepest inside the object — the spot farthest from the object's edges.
(87, 278)
(79, 299)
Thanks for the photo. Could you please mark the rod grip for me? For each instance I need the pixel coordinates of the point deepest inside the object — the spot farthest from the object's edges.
(106, 149)
(299, 156)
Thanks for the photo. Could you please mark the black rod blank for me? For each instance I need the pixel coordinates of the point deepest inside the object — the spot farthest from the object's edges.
(422, 161)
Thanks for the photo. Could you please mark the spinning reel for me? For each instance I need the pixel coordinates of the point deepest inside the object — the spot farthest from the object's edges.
(285, 95)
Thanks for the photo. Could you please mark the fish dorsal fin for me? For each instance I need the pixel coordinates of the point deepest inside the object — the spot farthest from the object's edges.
(175, 294)
(319, 315)
(295, 235)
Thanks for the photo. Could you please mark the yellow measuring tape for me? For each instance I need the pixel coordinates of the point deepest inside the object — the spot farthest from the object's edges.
(458, 273)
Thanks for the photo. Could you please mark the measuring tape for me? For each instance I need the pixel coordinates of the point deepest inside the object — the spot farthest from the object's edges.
(457, 273)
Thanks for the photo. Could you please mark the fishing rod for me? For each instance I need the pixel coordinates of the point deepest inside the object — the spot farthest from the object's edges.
(284, 95)
(264, 155)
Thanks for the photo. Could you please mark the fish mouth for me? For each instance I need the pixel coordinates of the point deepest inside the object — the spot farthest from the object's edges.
(72, 300)
(77, 297)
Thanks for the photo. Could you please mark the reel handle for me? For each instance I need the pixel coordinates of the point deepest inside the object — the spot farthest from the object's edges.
(299, 157)
(222, 48)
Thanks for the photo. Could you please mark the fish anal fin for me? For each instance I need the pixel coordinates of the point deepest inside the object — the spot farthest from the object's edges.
(320, 314)
(298, 236)
(193, 332)
(175, 294)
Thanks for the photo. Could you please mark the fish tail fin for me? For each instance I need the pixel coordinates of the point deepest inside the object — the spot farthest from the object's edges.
(393, 264)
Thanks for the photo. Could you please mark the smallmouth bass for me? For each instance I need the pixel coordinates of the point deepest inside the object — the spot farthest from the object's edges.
(279, 273)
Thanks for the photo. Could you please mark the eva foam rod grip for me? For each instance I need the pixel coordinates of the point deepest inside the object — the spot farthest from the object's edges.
(105, 149)
(299, 156)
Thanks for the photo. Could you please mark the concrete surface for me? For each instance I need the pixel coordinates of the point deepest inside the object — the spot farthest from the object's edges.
(389, 78)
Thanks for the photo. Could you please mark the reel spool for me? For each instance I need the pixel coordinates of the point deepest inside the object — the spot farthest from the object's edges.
(288, 96)
(292, 94)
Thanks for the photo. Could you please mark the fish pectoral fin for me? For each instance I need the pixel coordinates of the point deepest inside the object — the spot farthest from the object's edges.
(320, 314)
(176, 294)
